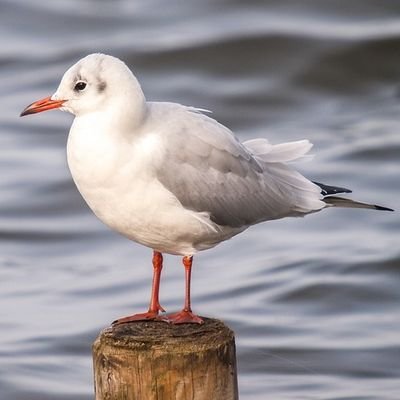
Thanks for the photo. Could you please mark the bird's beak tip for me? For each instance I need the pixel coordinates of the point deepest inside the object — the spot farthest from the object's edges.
(42, 105)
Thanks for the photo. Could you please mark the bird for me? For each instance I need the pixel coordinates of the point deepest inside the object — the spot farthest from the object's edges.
(169, 176)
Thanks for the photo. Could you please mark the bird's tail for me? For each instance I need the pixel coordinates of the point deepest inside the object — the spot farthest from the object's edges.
(349, 203)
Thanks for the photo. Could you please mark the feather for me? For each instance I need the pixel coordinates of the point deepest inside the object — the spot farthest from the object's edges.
(327, 190)
(349, 203)
(283, 152)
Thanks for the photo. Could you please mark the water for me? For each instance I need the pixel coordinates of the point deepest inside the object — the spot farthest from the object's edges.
(314, 302)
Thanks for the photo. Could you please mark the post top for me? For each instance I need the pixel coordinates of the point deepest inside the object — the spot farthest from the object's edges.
(154, 334)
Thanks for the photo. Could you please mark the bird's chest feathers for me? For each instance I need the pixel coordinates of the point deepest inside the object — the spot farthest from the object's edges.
(110, 169)
(93, 158)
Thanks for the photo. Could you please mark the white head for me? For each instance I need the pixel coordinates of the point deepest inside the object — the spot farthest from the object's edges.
(95, 84)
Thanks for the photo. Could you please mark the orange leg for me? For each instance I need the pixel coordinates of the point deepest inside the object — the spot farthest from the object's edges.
(185, 316)
(154, 307)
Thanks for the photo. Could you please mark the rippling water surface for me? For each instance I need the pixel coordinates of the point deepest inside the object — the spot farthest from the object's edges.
(314, 302)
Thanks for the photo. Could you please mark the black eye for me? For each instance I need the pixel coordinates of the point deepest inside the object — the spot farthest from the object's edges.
(80, 86)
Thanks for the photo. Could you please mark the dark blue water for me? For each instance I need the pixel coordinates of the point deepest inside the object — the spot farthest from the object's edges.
(314, 302)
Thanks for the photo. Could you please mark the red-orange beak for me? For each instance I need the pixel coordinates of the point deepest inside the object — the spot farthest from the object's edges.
(42, 105)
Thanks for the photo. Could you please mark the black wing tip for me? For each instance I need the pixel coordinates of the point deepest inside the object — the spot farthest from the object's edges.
(381, 208)
(327, 190)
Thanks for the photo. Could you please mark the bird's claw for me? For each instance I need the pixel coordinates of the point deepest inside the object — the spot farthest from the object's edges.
(182, 317)
(147, 316)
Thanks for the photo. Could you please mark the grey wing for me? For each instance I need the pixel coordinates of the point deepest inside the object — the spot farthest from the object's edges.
(209, 170)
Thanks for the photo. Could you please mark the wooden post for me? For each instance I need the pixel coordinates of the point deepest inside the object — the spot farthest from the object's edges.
(156, 361)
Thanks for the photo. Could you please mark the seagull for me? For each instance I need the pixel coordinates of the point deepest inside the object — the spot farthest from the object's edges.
(171, 178)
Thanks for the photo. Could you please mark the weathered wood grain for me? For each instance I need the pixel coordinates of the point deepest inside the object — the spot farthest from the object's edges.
(156, 361)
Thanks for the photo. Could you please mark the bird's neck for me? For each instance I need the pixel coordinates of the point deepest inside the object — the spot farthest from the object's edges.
(119, 120)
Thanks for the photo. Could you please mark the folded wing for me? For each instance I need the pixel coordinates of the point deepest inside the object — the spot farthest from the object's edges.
(210, 171)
